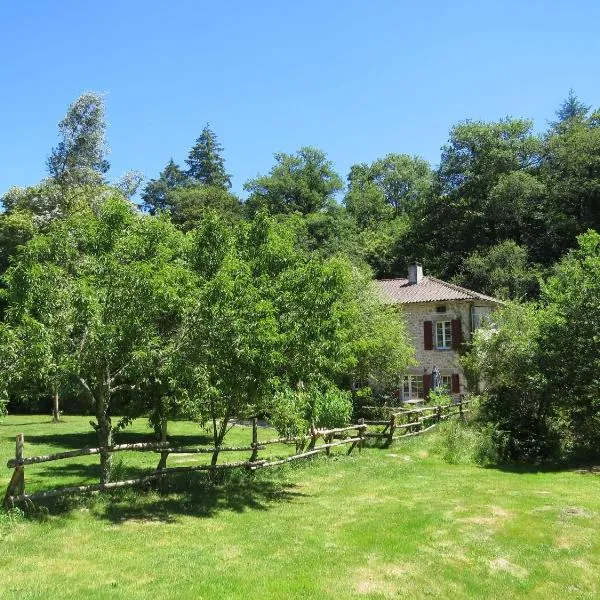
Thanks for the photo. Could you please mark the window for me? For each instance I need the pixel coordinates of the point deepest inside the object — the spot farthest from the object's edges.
(412, 387)
(446, 382)
(440, 309)
(443, 335)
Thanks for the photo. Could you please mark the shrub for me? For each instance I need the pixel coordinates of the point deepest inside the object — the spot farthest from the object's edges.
(332, 408)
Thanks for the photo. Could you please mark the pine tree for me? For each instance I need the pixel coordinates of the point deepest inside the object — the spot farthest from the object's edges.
(570, 111)
(155, 195)
(205, 163)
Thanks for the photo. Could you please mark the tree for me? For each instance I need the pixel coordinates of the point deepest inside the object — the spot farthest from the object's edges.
(541, 364)
(398, 180)
(304, 182)
(571, 170)
(205, 163)
(188, 205)
(516, 403)
(484, 166)
(571, 111)
(570, 345)
(156, 192)
(80, 157)
(104, 289)
(502, 271)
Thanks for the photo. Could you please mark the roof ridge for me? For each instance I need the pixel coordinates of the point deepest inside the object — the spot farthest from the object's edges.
(459, 288)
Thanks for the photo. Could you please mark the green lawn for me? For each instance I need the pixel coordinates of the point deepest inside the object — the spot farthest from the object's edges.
(390, 523)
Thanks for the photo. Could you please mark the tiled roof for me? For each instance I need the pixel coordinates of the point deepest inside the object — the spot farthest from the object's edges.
(429, 289)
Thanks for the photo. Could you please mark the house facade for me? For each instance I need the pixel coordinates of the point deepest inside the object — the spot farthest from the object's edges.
(440, 317)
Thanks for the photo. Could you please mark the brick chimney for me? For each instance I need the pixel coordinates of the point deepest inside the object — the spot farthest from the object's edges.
(415, 273)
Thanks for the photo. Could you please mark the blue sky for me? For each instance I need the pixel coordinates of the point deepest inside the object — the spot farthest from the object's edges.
(358, 79)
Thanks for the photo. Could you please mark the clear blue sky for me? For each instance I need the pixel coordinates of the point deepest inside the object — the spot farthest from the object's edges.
(358, 79)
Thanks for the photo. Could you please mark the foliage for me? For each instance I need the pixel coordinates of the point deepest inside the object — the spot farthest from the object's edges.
(205, 163)
(80, 157)
(331, 407)
(102, 309)
(304, 182)
(506, 357)
(397, 181)
(502, 271)
(570, 344)
(156, 192)
(540, 363)
(188, 205)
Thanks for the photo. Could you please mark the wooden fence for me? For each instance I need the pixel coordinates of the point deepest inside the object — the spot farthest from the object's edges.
(401, 424)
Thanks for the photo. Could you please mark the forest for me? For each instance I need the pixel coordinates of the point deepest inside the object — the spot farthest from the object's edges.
(175, 297)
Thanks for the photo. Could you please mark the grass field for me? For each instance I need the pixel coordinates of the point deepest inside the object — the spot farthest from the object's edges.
(390, 523)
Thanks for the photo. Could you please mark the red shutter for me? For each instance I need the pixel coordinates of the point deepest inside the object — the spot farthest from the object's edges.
(428, 335)
(426, 384)
(456, 333)
(455, 383)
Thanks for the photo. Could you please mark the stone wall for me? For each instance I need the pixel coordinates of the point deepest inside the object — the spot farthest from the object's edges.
(447, 361)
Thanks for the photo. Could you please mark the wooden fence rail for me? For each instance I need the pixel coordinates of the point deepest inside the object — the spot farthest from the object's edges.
(419, 423)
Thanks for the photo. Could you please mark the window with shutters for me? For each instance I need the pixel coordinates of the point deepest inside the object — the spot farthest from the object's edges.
(443, 335)
(412, 387)
(446, 382)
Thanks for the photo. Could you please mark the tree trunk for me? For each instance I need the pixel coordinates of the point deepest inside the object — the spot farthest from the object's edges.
(162, 463)
(219, 432)
(55, 408)
(104, 441)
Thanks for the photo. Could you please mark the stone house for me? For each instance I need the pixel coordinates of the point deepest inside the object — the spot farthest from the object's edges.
(440, 316)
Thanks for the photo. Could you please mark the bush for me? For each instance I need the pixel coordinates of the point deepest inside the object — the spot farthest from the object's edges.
(287, 413)
(332, 408)
(292, 412)
(458, 442)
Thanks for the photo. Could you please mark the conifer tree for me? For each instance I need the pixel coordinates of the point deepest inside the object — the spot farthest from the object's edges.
(205, 163)
(155, 195)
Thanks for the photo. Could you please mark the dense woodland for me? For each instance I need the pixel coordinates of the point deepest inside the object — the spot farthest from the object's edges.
(178, 298)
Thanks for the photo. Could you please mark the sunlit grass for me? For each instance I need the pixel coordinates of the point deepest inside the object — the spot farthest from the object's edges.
(389, 523)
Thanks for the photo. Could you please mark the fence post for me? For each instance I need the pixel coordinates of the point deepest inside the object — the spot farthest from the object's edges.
(16, 486)
(361, 422)
(392, 427)
(439, 413)
(313, 436)
(460, 408)
(254, 440)
(19, 458)
(327, 439)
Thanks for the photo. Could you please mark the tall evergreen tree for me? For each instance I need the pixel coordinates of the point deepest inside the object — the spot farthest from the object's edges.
(571, 110)
(155, 195)
(205, 163)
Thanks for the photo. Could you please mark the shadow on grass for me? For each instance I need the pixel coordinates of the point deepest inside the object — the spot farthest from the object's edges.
(198, 497)
(164, 501)
(89, 439)
(589, 465)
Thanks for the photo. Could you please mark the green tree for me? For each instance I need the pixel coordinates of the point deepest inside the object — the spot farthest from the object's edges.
(540, 363)
(80, 157)
(104, 289)
(570, 344)
(571, 169)
(156, 193)
(571, 111)
(484, 166)
(397, 180)
(188, 205)
(502, 271)
(205, 162)
(304, 182)
(506, 356)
